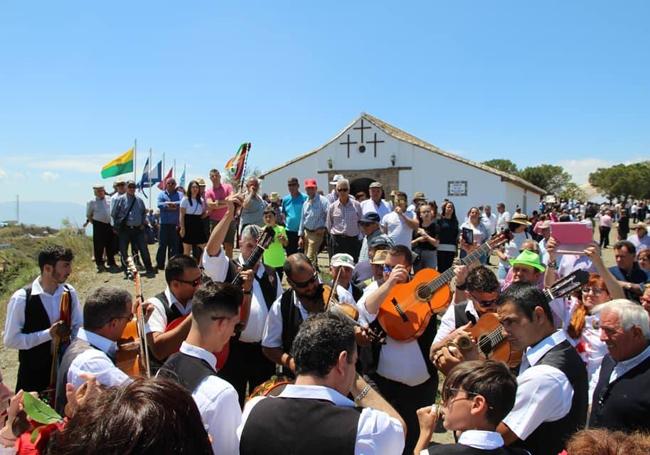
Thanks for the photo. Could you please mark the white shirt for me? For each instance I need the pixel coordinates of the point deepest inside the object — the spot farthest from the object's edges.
(272, 336)
(490, 222)
(216, 267)
(369, 206)
(478, 439)
(218, 405)
(259, 311)
(13, 336)
(158, 319)
(96, 362)
(544, 393)
(400, 361)
(448, 321)
(377, 432)
(194, 209)
(397, 229)
(502, 221)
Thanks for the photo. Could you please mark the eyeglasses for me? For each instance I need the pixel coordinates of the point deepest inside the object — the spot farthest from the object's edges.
(343, 190)
(594, 291)
(484, 303)
(304, 284)
(194, 283)
(450, 392)
(388, 268)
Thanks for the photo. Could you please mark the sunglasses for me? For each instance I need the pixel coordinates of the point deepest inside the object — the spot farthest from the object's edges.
(388, 268)
(194, 283)
(343, 190)
(304, 284)
(484, 303)
(450, 392)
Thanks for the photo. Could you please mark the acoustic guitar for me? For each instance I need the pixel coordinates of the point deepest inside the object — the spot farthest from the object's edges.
(406, 312)
(490, 336)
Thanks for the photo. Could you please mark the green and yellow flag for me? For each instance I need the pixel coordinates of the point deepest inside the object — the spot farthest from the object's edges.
(120, 165)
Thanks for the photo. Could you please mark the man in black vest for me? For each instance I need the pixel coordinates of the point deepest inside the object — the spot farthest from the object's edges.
(621, 400)
(33, 318)
(551, 401)
(215, 313)
(304, 297)
(314, 415)
(481, 290)
(404, 374)
(106, 312)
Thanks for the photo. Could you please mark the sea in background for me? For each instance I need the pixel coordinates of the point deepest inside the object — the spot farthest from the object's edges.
(50, 214)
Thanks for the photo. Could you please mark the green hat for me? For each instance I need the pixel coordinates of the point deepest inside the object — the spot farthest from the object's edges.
(530, 259)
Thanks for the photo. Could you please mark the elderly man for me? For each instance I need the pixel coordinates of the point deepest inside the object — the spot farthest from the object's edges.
(341, 268)
(627, 270)
(253, 208)
(640, 240)
(292, 207)
(375, 203)
(503, 217)
(313, 221)
(418, 199)
(305, 413)
(343, 217)
(369, 225)
(169, 243)
(98, 212)
(333, 195)
(621, 399)
(489, 220)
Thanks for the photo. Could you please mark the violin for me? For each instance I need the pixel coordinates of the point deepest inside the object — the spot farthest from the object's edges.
(347, 311)
(133, 354)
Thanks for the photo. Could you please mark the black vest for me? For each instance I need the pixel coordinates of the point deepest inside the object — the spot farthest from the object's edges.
(291, 319)
(551, 437)
(461, 316)
(34, 363)
(268, 285)
(460, 449)
(625, 403)
(187, 370)
(76, 347)
(296, 426)
(172, 313)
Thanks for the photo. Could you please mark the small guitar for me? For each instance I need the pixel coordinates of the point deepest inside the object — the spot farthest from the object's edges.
(133, 353)
(406, 312)
(490, 336)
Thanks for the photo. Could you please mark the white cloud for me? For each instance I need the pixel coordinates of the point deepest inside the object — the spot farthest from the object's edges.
(49, 177)
(581, 168)
(87, 164)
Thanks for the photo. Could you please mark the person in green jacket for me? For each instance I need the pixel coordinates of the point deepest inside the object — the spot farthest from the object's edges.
(275, 254)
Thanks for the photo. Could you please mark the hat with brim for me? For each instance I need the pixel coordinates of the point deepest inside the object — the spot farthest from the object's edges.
(336, 179)
(274, 197)
(375, 185)
(418, 195)
(520, 218)
(530, 259)
(342, 260)
(98, 186)
(380, 257)
(200, 181)
(641, 226)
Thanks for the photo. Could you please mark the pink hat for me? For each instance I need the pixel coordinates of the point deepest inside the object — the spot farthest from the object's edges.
(310, 183)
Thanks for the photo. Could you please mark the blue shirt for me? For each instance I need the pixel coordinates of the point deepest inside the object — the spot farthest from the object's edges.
(292, 207)
(314, 214)
(167, 214)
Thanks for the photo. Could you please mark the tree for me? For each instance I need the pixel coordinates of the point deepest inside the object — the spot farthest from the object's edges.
(503, 165)
(573, 191)
(547, 176)
(623, 181)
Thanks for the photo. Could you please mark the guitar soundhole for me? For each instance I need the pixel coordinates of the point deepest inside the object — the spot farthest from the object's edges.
(424, 293)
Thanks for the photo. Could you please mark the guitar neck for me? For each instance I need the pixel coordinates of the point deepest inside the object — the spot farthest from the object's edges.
(446, 276)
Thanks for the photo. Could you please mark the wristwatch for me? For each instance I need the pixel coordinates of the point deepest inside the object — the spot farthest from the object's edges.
(552, 264)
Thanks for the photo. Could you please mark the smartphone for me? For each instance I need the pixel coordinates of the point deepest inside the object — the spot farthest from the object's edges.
(467, 235)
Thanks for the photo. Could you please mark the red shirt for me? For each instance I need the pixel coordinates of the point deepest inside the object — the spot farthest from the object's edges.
(219, 193)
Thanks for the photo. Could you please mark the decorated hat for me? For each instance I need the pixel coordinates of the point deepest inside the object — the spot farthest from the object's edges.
(530, 259)
(342, 260)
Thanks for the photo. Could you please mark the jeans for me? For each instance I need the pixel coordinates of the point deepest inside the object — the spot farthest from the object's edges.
(134, 235)
(169, 244)
(428, 260)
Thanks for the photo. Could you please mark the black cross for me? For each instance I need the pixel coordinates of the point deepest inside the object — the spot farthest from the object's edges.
(374, 143)
(362, 128)
(349, 143)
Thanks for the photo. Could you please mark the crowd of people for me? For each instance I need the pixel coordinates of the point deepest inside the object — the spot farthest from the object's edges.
(297, 354)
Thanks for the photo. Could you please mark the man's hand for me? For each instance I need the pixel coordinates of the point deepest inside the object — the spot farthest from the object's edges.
(77, 398)
(247, 279)
(59, 330)
(593, 253)
(362, 336)
(551, 245)
(399, 274)
(461, 272)
(427, 418)
(301, 243)
(398, 210)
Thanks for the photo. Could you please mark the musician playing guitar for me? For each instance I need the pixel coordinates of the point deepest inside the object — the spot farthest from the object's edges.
(405, 376)
(246, 365)
(105, 314)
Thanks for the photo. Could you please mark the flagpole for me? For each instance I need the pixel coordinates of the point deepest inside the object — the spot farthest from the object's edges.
(135, 162)
(149, 176)
(243, 171)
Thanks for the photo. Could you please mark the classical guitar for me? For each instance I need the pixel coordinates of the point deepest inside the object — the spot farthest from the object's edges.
(262, 244)
(133, 353)
(406, 312)
(488, 332)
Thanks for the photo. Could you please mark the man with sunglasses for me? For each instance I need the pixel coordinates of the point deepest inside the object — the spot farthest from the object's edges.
(481, 288)
(105, 314)
(215, 314)
(169, 243)
(404, 374)
(304, 297)
(343, 216)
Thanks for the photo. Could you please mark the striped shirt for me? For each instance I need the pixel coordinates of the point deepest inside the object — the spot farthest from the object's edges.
(314, 214)
(343, 219)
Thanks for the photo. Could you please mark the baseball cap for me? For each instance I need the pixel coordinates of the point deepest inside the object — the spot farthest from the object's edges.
(310, 183)
(375, 185)
(342, 260)
(370, 217)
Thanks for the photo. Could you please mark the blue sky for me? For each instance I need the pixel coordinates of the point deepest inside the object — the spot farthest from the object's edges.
(544, 82)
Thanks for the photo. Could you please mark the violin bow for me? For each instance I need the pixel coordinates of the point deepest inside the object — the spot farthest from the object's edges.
(336, 283)
(139, 315)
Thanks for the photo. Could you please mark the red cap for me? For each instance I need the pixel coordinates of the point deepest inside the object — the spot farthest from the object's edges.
(310, 183)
